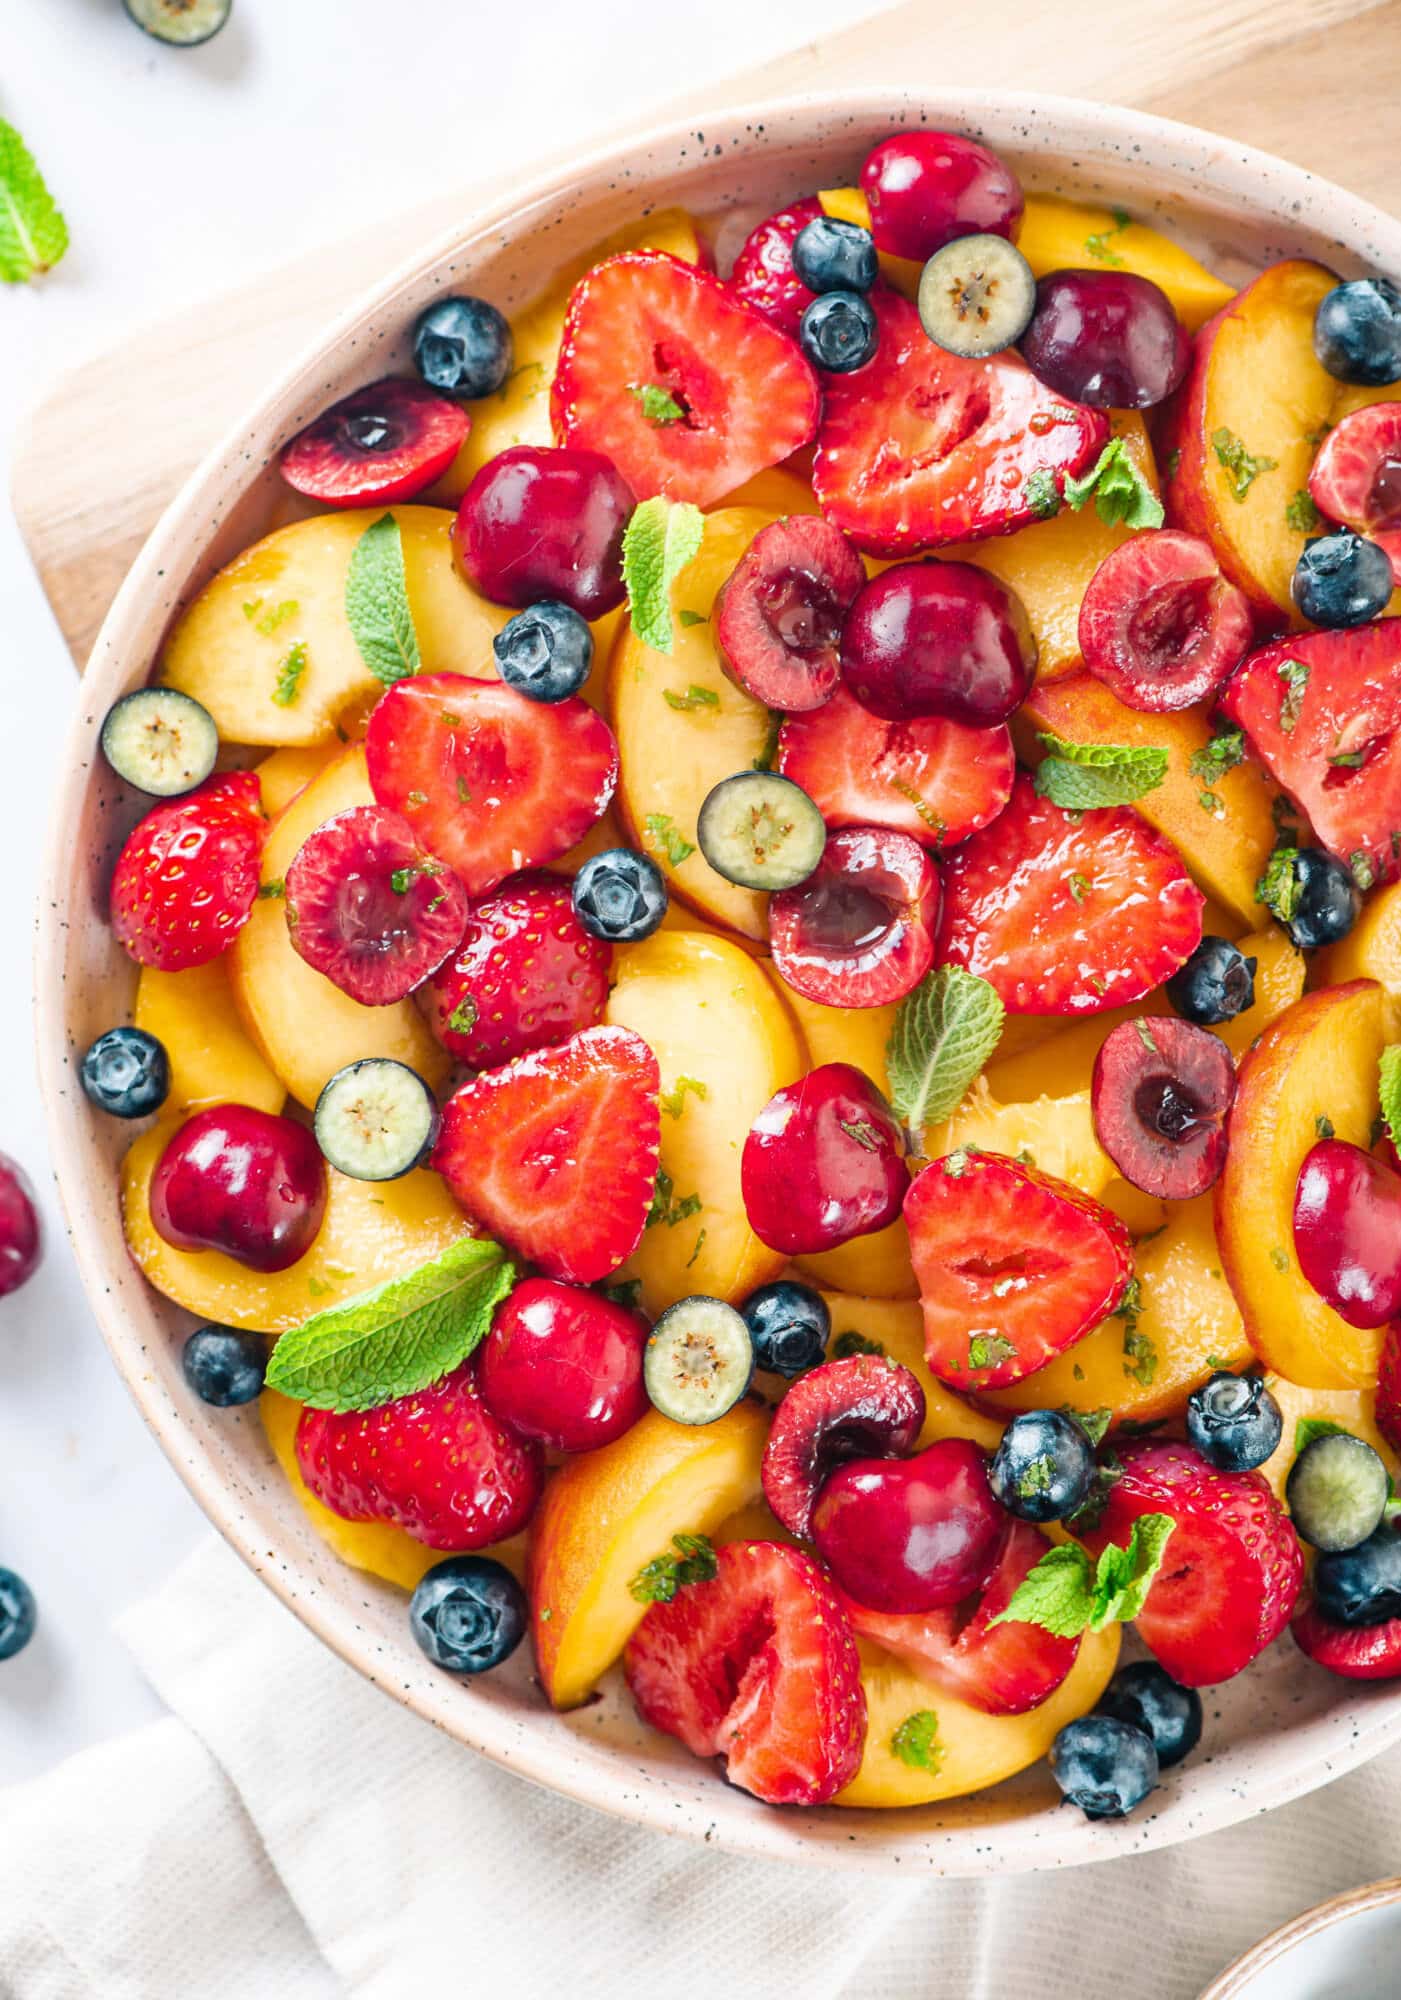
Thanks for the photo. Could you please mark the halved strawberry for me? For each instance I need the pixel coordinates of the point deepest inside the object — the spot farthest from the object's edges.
(763, 274)
(1068, 913)
(187, 878)
(370, 908)
(1388, 1404)
(1013, 1265)
(936, 780)
(1323, 714)
(734, 395)
(385, 442)
(920, 447)
(1001, 1669)
(757, 1666)
(490, 782)
(862, 1406)
(1232, 1569)
(557, 1152)
(1356, 477)
(1357, 1652)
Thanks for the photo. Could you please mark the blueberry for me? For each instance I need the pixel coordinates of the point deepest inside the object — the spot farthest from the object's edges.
(1216, 983)
(1327, 900)
(838, 332)
(1044, 1467)
(17, 1614)
(620, 895)
(1336, 1491)
(789, 1325)
(1361, 1586)
(1104, 1766)
(1147, 1697)
(1340, 579)
(463, 347)
(225, 1365)
(468, 1614)
(545, 653)
(1357, 331)
(1234, 1421)
(832, 256)
(126, 1072)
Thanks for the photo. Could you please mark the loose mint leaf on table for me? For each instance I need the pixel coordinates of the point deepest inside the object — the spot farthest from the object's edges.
(1067, 1594)
(1121, 493)
(944, 1032)
(659, 541)
(377, 603)
(397, 1338)
(1079, 776)
(33, 233)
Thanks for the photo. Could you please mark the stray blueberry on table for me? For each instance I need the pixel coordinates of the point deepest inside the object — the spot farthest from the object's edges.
(18, 1613)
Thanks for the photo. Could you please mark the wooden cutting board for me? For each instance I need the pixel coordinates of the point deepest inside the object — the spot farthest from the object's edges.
(1315, 80)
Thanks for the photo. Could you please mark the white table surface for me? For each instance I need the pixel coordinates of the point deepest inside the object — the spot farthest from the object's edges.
(181, 173)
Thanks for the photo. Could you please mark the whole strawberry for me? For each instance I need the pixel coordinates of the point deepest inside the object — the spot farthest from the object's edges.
(526, 974)
(437, 1464)
(188, 876)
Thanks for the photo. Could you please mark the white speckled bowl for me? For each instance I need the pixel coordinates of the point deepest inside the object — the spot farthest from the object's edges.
(1284, 1727)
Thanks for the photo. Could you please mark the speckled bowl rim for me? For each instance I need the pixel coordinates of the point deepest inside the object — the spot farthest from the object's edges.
(1234, 1983)
(655, 1788)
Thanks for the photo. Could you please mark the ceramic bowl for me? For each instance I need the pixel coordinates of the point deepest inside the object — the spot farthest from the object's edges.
(1284, 1727)
(1347, 1946)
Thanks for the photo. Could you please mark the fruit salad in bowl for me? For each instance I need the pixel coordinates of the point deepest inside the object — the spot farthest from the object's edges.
(757, 1064)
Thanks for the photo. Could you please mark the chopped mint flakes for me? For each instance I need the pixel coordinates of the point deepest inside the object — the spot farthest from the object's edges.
(1242, 465)
(658, 1581)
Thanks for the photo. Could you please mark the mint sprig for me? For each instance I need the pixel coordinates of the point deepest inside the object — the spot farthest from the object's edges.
(1080, 776)
(660, 539)
(1066, 1594)
(399, 1337)
(943, 1034)
(33, 233)
(377, 603)
(1121, 493)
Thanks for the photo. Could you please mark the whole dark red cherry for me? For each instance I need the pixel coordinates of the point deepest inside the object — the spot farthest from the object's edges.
(910, 1534)
(242, 1181)
(824, 1161)
(546, 522)
(938, 638)
(564, 1365)
(1347, 1231)
(1106, 338)
(21, 1239)
(925, 188)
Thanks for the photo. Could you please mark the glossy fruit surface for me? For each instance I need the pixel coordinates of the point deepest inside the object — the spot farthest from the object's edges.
(126, 1073)
(1337, 1491)
(1361, 1586)
(757, 1666)
(225, 1365)
(545, 653)
(1347, 1231)
(1325, 899)
(1160, 625)
(1161, 1093)
(789, 1325)
(861, 1406)
(468, 1614)
(1216, 984)
(539, 523)
(859, 931)
(1357, 331)
(824, 1161)
(1356, 477)
(1342, 580)
(1145, 1697)
(834, 256)
(18, 1614)
(910, 1534)
(21, 1239)
(938, 638)
(839, 332)
(1106, 338)
(779, 615)
(385, 442)
(620, 895)
(187, 878)
(241, 1181)
(526, 973)
(564, 1365)
(924, 188)
(1104, 1765)
(1234, 1421)
(1357, 1653)
(462, 346)
(1044, 1467)
(763, 274)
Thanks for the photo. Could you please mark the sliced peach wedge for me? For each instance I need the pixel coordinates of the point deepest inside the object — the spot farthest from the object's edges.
(896, 1326)
(1317, 1063)
(213, 1059)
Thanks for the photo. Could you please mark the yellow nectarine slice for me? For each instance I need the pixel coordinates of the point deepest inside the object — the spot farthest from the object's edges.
(288, 591)
(1318, 1061)
(287, 771)
(1372, 948)
(607, 1513)
(373, 1230)
(971, 1750)
(212, 1058)
(1059, 235)
(1352, 1410)
(304, 1025)
(897, 1327)
(1058, 1133)
(672, 756)
(724, 1045)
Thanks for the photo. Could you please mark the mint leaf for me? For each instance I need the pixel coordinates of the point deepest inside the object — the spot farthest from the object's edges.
(33, 234)
(377, 603)
(916, 1742)
(1123, 1577)
(1121, 493)
(289, 675)
(659, 406)
(1242, 466)
(1066, 1595)
(1390, 1086)
(943, 1034)
(1078, 776)
(1222, 753)
(1094, 1423)
(990, 1350)
(673, 1101)
(1098, 244)
(658, 1581)
(1278, 887)
(1295, 676)
(694, 697)
(1301, 514)
(397, 1338)
(1042, 495)
(659, 541)
(1309, 1428)
(851, 1342)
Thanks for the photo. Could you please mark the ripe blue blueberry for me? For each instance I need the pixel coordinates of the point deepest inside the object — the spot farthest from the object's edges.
(1361, 1586)
(789, 1325)
(1044, 1467)
(1147, 1697)
(126, 1073)
(832, 256)
(17, 1614)
(620, 895)
(468, 1614)
(1340, 579)
(462, 347)
(1216, 983)
(838, 332)
(545, 653)
(1104, 1766)
(1234, 1421)
(1357, 331)
(1327, 900)
(225, 1365)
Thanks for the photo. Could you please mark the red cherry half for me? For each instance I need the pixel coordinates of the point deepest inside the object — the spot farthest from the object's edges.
(21, 1239)
(779, 614)
(386, 442)
(1347, 1232)
(860, 1407)
(1160, 1094)
(859, 931)
(370, 908)
(1356, 477)
(242, 1181)
(1160, 625)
